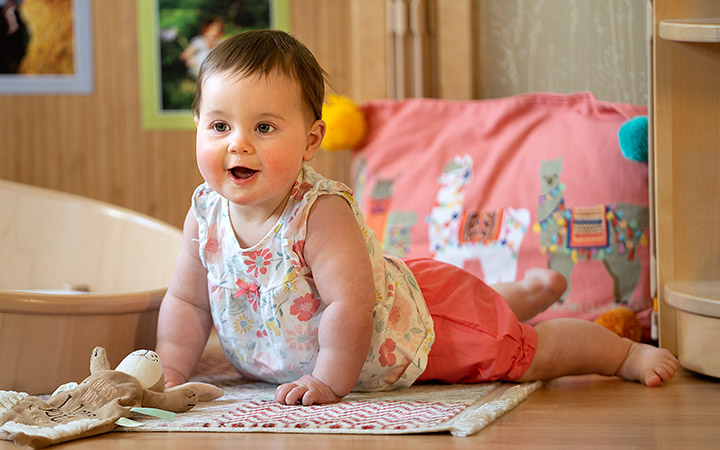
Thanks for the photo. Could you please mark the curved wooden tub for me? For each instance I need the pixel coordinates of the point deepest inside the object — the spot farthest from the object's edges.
(75, 273)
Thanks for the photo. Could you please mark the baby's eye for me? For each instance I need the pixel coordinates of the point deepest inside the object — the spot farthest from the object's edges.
(219, 127)
(265, 128)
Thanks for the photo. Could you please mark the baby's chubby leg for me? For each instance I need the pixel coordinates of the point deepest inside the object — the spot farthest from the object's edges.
(575, 347)
(538, 289)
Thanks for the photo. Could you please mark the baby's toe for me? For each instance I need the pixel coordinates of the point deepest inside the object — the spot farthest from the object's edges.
(652, 379)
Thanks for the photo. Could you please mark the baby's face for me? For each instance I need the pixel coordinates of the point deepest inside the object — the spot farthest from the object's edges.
(253, 135)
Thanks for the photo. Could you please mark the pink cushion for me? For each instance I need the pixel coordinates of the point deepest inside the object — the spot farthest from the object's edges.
(461, 181)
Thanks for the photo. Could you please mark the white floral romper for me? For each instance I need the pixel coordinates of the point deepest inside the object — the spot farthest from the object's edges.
(266, 307)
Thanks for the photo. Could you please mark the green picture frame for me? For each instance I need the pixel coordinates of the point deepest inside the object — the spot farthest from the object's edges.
(153, 116)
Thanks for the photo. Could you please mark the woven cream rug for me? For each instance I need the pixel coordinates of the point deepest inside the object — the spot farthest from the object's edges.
(250, 407)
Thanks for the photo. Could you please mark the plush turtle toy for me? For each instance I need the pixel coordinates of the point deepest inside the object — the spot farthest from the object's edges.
(93, 406)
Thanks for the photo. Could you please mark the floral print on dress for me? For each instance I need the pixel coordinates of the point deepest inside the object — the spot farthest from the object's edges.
(399, 316)
(387, 357)
(213, 251)
(258, 262)
(304, 307)
(299, 249)
(267, 309)
(300, 189)
(302, 338)
(243, 324)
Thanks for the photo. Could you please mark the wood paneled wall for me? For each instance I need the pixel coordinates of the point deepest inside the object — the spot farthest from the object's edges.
(95, 146)
(348, 39)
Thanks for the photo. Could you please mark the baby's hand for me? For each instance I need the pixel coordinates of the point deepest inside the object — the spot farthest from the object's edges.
(307, 390)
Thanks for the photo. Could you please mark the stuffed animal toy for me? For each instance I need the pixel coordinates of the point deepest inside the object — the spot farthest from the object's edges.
(92, 407)
(346, 125)
(623, 321)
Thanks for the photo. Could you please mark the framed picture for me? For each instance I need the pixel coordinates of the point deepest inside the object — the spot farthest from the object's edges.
(45, 47)
(175, 36)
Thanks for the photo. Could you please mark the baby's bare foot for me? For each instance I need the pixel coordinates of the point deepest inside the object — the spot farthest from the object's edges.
(543, 287)
(545, 284)
(648, 365)
(532, 295)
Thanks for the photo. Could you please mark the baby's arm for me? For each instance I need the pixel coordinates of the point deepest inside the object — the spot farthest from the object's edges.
(336, 252)
(185, 321)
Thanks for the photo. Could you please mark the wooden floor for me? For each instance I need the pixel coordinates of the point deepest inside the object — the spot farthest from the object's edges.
(567, 413)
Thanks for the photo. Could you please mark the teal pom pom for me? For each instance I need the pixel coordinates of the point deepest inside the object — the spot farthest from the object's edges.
(633, 137)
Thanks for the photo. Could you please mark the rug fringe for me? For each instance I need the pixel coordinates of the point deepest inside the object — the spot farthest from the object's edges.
(475, 418)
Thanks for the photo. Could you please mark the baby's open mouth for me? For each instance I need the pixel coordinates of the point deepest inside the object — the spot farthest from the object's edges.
(242, 172)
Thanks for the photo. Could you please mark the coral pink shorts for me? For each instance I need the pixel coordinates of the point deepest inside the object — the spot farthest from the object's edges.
(477, 336)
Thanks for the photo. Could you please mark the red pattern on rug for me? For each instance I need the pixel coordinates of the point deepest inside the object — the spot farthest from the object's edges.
(250, 406)
(390, 415)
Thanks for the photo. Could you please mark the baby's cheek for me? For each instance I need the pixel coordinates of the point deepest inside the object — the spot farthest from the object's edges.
(210, 165)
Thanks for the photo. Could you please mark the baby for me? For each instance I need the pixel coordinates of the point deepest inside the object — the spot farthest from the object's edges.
(279, 259)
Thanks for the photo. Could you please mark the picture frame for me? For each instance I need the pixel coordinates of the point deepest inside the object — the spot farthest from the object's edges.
(80, 81)
(158, 112)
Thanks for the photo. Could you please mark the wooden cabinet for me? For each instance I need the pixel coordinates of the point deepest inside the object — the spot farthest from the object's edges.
(686, 183)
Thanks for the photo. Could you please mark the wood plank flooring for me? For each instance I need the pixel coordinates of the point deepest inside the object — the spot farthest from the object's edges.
(566, 413)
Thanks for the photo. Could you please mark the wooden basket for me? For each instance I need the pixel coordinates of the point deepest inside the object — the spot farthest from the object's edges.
(75, 273)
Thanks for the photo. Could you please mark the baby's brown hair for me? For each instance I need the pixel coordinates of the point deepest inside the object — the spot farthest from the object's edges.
(261, 52)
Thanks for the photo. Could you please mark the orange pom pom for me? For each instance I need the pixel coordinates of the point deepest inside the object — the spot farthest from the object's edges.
(622, 321)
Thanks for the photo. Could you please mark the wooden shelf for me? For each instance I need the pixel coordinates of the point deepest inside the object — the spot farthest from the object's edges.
(697, 297)
(698, 324)
(691, 30)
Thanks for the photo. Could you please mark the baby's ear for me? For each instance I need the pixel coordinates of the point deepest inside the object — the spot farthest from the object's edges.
(314, 139)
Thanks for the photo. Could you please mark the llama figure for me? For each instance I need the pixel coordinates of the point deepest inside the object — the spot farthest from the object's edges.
(610, 233)
(458, 236)
(393, 228)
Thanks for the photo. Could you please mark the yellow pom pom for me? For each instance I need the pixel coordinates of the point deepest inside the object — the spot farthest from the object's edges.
(622, 321)
(346, 126)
